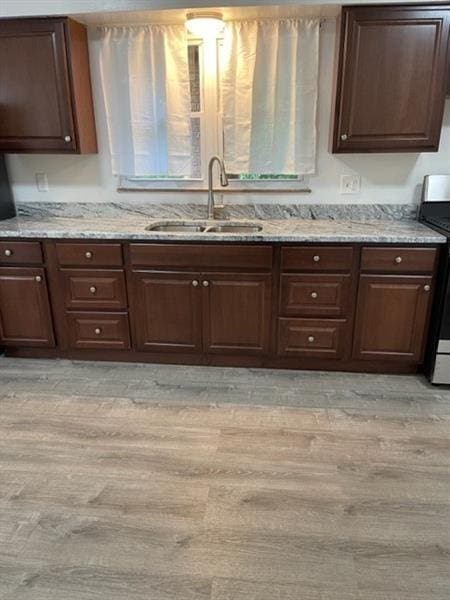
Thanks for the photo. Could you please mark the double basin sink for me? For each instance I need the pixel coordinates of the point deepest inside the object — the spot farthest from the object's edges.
(204, 227)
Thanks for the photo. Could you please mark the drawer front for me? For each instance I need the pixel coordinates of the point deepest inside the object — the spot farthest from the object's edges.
(398, 260)
(316, 258)
(12, 253)
(311, 338)
(205, 256)
(94, 289)
(96, 331)
(86, 255)
(315, 295)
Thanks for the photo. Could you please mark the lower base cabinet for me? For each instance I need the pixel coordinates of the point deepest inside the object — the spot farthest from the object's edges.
(341, 307)
(195, 312)
(25, 316)
(392, 316)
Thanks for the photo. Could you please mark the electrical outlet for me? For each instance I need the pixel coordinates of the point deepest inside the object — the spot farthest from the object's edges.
(42, 182)
(350, 184)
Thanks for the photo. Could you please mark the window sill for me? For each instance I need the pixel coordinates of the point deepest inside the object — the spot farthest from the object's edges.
(217, 190)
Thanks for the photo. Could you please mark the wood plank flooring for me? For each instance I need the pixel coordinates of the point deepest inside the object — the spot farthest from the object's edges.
(133, 482)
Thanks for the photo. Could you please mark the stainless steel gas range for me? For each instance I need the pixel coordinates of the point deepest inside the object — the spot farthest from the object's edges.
(435, 212)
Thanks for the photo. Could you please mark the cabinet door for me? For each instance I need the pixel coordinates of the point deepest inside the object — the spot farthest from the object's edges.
(35, 105)
(392, 317)
(166, 311)
(392, 78)
(236, 313)
(25, 317)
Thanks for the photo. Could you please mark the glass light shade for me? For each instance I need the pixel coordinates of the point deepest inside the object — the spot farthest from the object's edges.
(205, 24)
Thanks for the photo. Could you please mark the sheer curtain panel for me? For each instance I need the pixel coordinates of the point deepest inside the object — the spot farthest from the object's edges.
(269, 95)
(145, 84)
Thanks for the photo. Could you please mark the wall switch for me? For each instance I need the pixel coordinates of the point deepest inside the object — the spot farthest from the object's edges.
(42, 182)
(350, 184)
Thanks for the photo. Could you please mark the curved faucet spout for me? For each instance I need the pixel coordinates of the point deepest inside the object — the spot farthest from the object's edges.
(223, 182)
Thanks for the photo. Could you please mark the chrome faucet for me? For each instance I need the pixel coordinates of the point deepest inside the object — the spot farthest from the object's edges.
(223, 182)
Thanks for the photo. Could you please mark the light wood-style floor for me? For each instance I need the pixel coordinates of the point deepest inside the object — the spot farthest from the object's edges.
(133, 482)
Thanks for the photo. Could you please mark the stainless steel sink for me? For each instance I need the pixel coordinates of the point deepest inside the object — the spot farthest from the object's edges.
(203, 227)
(234, 228)
(175, 227)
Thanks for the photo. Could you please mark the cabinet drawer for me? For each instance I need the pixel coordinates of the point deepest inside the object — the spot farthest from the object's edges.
(398, 260)
(93, 330)
(94, 289)
(98, 255)
(315, 295)
(201, 256)
(29, 253)
(316, 258)
(311, 338)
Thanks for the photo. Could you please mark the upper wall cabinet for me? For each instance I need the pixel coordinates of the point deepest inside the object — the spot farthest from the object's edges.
(45, 89)
(391, 80)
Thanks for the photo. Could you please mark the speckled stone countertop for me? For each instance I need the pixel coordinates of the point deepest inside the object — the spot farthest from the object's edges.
(132, 227)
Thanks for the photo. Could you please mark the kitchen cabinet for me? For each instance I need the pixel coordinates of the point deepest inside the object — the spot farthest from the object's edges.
(209, 312)
(45, 95)
(167, 311)
(392, 316)
(236, 312)
(391, 78)
(25, 316)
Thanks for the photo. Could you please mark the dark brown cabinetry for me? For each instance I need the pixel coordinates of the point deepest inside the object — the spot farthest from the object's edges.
(209, 312)
(45, 91)
(391, 80)
(167, 311)
(392, 317)
(341, 307)
(25, 318)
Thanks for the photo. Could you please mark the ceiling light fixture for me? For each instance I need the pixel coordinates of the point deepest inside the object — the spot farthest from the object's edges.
(205, 24)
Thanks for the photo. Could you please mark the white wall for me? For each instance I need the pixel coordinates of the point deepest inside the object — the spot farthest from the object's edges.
(386, 178)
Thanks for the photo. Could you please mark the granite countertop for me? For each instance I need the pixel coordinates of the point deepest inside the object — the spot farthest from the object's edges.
(132, 227)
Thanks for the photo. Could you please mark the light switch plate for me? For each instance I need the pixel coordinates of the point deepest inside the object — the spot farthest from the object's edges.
(42, 182)
(350, 184)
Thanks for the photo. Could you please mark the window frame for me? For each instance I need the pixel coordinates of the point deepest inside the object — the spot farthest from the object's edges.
(211, 138)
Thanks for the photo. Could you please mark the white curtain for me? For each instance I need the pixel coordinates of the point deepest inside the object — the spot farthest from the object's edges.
(145, 83)
(269, 94)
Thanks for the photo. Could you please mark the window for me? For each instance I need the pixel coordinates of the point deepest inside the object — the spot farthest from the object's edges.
(207, 132)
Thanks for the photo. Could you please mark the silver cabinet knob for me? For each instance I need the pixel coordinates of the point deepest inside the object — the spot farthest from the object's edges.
(195, 283)
(398, 259)
(67, 138)
(316, 258)
(97, 331)
(343, 137)
(427, 288)
(314, 295)
(88, 254)
(311, 339)
(92, 289)
(8, 252)
(38, 278)
(205, 283)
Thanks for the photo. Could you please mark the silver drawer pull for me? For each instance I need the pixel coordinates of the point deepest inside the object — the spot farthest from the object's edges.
(195, 283)
(38, 278)
(343, 137)
(316, 258)
(8, 252)
(314, 295)
(311, 339)
(88, 254)
(93, 289)
(398, 259)
(97, 331)
(205, 283)
(67, 138)
(427, 288)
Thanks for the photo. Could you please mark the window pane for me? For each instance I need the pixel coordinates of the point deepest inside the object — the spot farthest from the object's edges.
(194, 77)
(196, 148)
